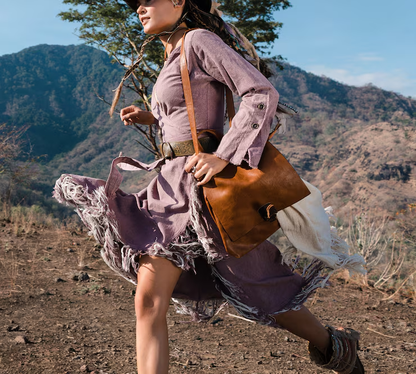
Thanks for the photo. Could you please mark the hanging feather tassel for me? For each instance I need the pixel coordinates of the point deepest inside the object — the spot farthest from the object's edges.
(116, 97)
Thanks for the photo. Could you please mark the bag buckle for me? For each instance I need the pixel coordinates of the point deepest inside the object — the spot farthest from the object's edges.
(268, 212)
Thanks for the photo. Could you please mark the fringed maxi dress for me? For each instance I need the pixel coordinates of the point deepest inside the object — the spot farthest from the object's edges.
(169, 219)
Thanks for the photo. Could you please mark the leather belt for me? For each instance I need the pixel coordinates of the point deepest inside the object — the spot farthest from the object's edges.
(171, 150)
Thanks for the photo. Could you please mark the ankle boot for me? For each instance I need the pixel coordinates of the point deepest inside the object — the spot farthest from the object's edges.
(341, 355)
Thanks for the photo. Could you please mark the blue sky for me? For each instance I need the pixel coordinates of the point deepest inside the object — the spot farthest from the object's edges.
(355, 41)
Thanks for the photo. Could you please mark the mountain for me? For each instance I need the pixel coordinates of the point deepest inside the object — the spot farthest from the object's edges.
(357, 144)
(53, 89)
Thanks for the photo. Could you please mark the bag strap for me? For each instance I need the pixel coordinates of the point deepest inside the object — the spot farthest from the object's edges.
(187, 91)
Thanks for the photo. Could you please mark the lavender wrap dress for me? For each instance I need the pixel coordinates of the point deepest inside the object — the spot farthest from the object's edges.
(168, 218)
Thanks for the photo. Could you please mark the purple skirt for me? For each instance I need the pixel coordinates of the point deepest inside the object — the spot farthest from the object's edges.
(259, 285)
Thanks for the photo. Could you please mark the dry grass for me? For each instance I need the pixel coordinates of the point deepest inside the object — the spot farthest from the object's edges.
(387, 252)
(21, 221)
(9, 266)
(26, 219)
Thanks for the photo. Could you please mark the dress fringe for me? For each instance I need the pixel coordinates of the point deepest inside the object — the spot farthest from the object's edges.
(199, 311)
(233, 295)
(93, 209)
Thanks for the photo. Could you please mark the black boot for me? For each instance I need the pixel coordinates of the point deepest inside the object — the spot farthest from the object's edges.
(341, 356)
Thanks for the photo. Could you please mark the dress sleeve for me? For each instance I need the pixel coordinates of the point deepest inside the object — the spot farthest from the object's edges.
(250, 128)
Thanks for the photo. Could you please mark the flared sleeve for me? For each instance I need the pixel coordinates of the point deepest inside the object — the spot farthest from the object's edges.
(250, 128)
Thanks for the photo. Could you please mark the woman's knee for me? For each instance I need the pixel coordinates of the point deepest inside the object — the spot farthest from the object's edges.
(156, 280)
(150, 306)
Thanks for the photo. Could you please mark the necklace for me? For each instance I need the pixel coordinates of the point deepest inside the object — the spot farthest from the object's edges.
(170, 37)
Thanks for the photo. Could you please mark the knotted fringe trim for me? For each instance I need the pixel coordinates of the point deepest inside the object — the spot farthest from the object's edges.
(94, 211)
(92, 208)
(200, 311)
(338, 249)
(342, 355)
(195, 211)
(313, 280)
(233, 297)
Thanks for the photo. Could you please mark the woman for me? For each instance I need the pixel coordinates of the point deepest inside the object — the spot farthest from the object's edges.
(163, 238)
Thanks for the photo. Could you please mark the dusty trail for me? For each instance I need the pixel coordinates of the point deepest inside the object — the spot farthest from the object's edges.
(52, 323)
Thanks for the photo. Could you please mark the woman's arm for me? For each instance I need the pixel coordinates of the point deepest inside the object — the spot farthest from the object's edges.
(250, 129)
(133, 114)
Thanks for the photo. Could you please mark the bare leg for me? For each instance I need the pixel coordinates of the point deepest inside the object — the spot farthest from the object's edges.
(156, 280)
(305, 325)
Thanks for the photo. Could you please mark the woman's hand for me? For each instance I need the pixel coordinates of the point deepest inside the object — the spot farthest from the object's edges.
(133, 114)
(206, 165)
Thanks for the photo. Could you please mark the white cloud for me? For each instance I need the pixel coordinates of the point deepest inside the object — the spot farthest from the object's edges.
(397, 80)
(370, 57)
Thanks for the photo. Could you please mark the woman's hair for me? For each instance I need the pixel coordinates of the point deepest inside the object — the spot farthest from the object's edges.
(197, 14)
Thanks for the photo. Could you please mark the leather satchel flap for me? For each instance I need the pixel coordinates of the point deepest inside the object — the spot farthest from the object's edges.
(243, 191)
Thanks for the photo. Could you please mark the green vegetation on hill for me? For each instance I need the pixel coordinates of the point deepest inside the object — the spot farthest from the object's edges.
(355, 143)
(52, 89)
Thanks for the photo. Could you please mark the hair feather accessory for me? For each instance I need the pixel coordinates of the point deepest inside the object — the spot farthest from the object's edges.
(214, 9)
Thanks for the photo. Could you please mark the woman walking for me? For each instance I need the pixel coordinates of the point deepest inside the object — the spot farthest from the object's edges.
(163, 238)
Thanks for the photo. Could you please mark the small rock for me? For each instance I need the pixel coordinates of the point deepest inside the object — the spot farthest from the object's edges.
(58, 280)
(21, 339)
(70, 250)
(13, 328)
(216, 320)
(83, 277)
(84, 368)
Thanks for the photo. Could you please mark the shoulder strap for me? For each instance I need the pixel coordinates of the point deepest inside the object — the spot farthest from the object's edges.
(189, 100)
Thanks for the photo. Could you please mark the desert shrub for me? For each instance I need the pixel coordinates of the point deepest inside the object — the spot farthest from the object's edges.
(25, 219)
(387, 248)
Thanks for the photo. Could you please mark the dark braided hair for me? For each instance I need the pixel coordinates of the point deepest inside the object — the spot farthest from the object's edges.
(199, 16)
(196, 14)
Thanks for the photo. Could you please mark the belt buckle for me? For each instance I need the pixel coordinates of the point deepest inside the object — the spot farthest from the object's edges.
(167, 151)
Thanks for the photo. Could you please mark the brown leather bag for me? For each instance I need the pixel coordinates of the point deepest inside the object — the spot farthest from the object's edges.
(243, 201)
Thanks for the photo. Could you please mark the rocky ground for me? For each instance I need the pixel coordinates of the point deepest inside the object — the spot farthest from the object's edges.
(63, 311)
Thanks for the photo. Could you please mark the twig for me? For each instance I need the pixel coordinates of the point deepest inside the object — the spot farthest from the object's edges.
(239, 317)
(303, 358)
(387, 336)
(388, 355)
(144, 146)
(104, 100)
(180, 363)
(404, 282)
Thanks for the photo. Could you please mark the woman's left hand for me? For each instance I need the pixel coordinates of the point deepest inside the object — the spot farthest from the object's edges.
(206, 166)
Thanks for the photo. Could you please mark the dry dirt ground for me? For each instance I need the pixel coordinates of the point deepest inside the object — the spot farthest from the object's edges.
(52, 323)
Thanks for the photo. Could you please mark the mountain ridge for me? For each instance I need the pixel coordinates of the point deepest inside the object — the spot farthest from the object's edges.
(54, 88)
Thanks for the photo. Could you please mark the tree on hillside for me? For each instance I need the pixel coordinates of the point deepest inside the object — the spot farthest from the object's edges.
(112, 26)
(16, 166)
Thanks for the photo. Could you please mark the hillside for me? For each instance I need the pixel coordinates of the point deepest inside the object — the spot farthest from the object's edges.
(53, 89)
(356, 144)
